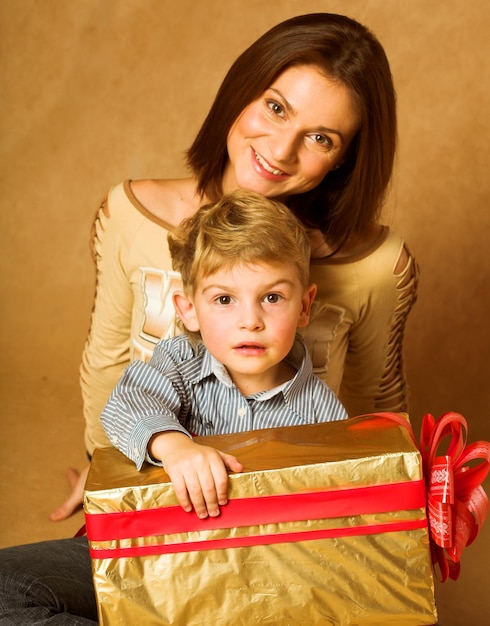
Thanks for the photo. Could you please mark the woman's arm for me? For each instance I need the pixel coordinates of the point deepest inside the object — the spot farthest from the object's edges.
(374, 371)
(355, 336)
(107, 349)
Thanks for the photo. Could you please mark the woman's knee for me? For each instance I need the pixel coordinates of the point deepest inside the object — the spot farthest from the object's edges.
(46, 579)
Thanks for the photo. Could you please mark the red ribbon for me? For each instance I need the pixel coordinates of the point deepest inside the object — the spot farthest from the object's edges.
(260, 510)
(273, 509)
(258, 540)
(457, 504)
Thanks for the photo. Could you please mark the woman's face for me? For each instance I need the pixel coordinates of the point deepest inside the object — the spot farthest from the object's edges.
(286, 141)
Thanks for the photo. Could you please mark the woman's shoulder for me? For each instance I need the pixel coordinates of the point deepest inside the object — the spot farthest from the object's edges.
(382, 242)
(384, 275)
(167, 200)
(163, 202)
(384, 259)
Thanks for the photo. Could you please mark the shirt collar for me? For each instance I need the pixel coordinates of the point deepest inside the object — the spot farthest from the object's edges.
(298, 357)
(209, 367)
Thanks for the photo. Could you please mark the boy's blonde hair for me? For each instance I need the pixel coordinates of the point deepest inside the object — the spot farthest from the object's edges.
(242, 227)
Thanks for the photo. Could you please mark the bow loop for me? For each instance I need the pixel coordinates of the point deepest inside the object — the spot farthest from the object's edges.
(457, 505)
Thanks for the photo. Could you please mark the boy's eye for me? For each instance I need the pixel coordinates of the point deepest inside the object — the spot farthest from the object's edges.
(272, 298)
(223, 299)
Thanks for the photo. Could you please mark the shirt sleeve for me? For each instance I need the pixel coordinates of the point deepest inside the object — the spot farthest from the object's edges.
(149, 398)
(328, 407)
(356, 331)
(374, 372)
(106, 352)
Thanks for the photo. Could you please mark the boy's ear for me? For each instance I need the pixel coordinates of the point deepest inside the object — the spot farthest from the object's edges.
(186, 310)
(306, 303)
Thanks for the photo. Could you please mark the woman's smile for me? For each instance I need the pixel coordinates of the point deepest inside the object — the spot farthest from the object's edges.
(269, 169)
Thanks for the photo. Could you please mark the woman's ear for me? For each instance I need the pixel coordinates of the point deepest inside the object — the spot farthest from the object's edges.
(306, 303)
(186, 310)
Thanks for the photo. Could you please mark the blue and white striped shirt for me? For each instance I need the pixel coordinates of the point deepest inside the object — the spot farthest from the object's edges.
(184, 388)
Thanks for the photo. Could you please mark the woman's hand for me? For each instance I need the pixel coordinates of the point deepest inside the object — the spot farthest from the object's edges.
(75, 500)
(198, 473)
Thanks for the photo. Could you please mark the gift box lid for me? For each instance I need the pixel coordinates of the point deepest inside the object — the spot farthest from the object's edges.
(356, 451)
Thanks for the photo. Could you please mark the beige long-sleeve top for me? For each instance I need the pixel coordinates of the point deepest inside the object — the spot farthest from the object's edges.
(354, 338)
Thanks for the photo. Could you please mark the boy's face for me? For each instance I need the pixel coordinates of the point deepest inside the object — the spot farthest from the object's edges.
(248, 316)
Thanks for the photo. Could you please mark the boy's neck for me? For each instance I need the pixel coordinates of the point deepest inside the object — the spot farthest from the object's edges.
(251, 384)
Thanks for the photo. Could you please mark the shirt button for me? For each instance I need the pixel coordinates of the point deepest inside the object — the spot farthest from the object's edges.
(136, 453)
(242, 411)
(114, 440)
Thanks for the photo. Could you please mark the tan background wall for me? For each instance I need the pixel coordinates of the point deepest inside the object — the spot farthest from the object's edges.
(97, 91)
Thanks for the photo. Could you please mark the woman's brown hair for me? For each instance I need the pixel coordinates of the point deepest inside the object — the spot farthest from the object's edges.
(350, 197)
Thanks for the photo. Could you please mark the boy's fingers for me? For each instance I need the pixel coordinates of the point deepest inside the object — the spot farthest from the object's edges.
(210, 490)
(193, 494)
(220, 483)
(181, 492)
(202, 482)
(205, 491)
(231, 462)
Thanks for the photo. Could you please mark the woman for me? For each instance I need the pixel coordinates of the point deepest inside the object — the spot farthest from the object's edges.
(305, 115)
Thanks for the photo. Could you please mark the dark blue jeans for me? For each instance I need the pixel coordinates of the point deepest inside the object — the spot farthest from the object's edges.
(47, 583)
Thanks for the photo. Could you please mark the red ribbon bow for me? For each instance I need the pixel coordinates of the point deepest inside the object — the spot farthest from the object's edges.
(457, 504)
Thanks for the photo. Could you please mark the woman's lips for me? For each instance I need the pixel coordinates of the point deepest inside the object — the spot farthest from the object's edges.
(267, 167)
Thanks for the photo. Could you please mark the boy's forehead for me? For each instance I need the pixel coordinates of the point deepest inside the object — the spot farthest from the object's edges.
(236, 273)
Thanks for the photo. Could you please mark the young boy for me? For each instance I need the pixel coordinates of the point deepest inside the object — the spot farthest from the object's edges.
(244, 263)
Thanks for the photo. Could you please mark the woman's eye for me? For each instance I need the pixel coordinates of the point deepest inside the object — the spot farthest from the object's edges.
(275, 107)
(272, 298)
(322, 140)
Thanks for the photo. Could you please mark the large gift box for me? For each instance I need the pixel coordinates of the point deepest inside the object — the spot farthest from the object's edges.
(326, 525)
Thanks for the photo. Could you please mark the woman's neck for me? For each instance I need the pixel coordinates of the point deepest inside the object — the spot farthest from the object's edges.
(352, 247)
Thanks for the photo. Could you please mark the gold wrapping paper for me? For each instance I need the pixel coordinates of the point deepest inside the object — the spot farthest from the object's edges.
(372, 579)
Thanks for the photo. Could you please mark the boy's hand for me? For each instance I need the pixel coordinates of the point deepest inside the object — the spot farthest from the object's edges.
(198, 473)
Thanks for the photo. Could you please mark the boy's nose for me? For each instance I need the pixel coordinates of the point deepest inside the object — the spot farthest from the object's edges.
(250, 318)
